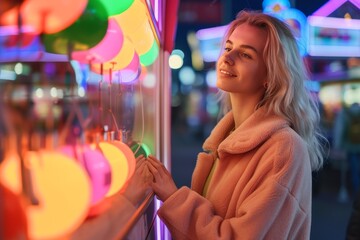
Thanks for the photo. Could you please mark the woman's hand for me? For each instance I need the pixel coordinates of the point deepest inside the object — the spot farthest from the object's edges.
(163, 183)
(139, 185)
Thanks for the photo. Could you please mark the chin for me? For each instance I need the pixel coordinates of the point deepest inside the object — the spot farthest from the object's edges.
(221, 86)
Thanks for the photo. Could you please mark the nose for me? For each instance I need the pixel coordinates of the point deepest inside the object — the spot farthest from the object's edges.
(228, 59)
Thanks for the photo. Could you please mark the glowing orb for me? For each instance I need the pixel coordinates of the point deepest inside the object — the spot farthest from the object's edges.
(61, 186)
(149, 57)
(106, 49)
(120, 61)
(128, 154)
(95, 164)
(140, 149)
(119, 166)
(46, 16)
(115, 7)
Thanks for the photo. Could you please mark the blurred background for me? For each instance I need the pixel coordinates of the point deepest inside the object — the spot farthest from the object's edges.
(331, 49)
(102, 74)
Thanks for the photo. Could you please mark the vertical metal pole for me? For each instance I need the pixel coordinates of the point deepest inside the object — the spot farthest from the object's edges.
(165, 120)
(163, 123)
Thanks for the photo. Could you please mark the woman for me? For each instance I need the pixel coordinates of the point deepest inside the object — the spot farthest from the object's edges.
(253, 180)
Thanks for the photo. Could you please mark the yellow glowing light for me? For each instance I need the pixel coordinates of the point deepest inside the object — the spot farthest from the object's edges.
(132, 18)
(118, 164)
(61, 186)
(135, 25)
(129, 156)
(142, 38)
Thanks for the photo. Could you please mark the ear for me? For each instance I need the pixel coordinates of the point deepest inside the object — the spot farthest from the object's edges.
(265, 84)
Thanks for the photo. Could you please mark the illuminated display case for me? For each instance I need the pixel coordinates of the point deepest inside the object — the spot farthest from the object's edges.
(80, 101)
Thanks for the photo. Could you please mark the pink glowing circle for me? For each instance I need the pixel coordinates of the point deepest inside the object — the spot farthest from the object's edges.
(106, 49)
(96, 166)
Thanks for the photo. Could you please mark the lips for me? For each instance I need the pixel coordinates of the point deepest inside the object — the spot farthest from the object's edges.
(227, 73)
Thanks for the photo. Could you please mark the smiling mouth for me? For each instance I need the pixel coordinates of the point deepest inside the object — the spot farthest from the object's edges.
(227, 73)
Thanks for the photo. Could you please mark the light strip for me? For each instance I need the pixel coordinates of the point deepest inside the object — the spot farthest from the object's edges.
(158, 221)
(208, 33)
(156, 3)
(334, 51)
(334, 22)
(332, 5)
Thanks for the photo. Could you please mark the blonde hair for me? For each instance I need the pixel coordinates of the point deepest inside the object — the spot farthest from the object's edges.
(285, 94)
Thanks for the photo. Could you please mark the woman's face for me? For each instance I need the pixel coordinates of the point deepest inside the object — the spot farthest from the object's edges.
(241, 67)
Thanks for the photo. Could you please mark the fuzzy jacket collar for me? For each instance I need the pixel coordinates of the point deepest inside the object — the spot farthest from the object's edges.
(252, 132)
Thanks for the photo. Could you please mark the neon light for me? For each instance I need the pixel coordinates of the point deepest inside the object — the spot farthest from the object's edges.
(334, 22)
(209, 33)
(332, 5)
(156, 10)
(334, 51)
(210, 40)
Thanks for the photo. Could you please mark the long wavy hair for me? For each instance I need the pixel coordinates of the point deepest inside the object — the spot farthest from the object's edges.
(285, 94)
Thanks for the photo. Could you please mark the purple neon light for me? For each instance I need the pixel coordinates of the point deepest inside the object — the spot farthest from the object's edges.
(208, 33)
(334, 22)
(332, 5)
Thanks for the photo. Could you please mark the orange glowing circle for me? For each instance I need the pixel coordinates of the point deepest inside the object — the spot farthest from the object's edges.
(62, 188)
(128, 154)
(118, 164)
(46, 16)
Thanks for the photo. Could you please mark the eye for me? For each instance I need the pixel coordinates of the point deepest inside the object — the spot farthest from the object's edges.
(245, 55)
(227, 49)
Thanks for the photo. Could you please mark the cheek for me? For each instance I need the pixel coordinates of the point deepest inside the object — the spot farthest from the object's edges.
(260, 72)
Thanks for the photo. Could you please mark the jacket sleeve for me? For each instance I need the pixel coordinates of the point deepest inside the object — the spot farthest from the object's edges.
(188, 215)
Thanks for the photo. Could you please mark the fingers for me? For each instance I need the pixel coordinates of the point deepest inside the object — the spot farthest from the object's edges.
(156, 163)
(153, 170)
(140, 158)
(140, 161)
(147, 175)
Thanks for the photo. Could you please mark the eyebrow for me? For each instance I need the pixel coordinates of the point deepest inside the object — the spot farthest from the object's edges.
(243, 46)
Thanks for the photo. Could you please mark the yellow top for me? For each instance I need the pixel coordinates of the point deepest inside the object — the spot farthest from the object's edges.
(207, 183)
(208, 180)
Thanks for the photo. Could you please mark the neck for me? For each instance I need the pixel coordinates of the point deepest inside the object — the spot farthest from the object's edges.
(242, 108)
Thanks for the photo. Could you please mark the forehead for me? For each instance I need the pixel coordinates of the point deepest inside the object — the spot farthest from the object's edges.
(245, 34)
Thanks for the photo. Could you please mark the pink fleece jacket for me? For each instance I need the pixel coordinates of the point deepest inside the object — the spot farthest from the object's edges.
(261, 187)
